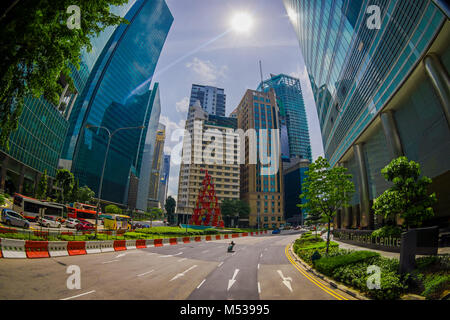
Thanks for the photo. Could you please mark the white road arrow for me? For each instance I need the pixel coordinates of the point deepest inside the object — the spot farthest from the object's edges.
(286, 281)
(232, 281)
(172, 255)
(183, 273)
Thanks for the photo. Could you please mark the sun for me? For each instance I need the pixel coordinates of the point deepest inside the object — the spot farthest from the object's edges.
(242, 22)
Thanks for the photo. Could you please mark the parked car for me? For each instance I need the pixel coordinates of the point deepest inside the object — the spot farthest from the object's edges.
(84, 225)
(276, 231)
(12, 218)
(49, 222)
(297, 228)
(72, 223)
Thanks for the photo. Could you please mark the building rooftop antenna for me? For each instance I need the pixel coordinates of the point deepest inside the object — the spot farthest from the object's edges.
(262, 81)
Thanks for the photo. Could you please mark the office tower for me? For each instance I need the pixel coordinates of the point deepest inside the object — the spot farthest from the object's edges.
(157, 164)
(294, 174)
(212, 99)
(260, 187)
(164, 181)
(117, 95)
(214, 146)
(380, 92)
(295, 141)
(37, 144)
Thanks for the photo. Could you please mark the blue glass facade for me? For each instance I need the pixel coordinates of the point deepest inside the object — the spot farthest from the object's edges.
(292, 116)
(293, 178)
(355, 70)
(110, 99)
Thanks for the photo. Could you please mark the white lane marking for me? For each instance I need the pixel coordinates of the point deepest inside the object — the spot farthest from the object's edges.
(201, 283)
(183, 273)
(286, 280)
(205, 251)
(261, 255)
(79, 295)
(182, 259)
(143, 274)
(121, 255)
(258, 266)
(110, 261)
(233, 254)
(232, 281)
(172, 255)
(220, 264)
(259, 288)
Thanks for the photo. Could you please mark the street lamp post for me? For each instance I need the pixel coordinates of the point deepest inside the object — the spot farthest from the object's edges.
(110, 135)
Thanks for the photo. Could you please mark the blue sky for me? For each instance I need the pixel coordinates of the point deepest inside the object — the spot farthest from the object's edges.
(198, 50)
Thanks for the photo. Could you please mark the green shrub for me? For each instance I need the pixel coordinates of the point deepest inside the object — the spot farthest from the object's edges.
(321, 245)
(20, 236)
(387, 231)
(326, 265)
(435, 285)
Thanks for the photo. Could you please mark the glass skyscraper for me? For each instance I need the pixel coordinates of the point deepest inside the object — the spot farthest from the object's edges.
(117, 95)
(380, 92)
(212, 99)
(292, 115)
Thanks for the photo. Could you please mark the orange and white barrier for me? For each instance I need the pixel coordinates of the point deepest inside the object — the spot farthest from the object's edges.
(75, 248)
(57, 248)
(12, 248)
(130, 244)
(93, 247)
(36, 249)
(107, 246)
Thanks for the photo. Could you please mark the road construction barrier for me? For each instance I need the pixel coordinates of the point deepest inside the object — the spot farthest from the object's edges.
(186, 240)
(57, 248)
(93, 247)
(36, 249)
(265, 231)
(158, 242)
(208, 238)
(225, 236)
(107, 246)
(12, 248)
(119, 245)
(150, 243)
(173, 241)
(75, 248)
(235, 235)
(197, 239)
(218, 237)
(252, 233)
(141, 244)
(130, 244)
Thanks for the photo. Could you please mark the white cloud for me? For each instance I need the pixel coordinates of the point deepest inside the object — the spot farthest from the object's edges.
(206, 72)
(182, 106)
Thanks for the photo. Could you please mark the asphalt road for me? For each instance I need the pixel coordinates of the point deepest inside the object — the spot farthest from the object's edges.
(258, 269)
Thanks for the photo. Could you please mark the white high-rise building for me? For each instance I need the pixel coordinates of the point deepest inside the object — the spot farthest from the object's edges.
(212, 99)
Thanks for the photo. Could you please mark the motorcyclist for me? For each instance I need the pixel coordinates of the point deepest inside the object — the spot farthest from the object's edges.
(231, 246)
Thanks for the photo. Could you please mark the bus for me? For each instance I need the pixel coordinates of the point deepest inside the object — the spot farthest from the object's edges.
(82, 211)
(30, 208)
(116, 222)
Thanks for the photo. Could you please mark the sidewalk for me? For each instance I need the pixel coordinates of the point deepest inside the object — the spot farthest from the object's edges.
(342, 245)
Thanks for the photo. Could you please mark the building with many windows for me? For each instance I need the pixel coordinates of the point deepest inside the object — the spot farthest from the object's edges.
(212, 99)
(294, 173)
(214, 146)
(261, 187)
(157, 165)
(117, 94)
(164, 180)
(294, 130)
(380, 92)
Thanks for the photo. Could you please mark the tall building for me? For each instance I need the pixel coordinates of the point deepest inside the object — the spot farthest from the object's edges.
(212, 99)
(261, 188)
(37, 144)
(157, 165)
(117, 94)
(294, 175)
(294, 131)
(214, 146)
(380, 92)
(164, 181)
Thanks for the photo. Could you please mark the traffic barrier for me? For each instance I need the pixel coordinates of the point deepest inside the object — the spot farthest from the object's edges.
(245, 234)
(251, 233)
(158, 242)
(150, 243)
(12, 248)
(76, 248)
(107, 246)
(36, 249)
(235, 235)
(57, 248)
(93, 247)
(186, 240)
(141, 244)
(173, 241)
(225, 236)
(208, 238)
(265, 231)
(130, 244)
(119, 245)
(218, 237)
(197, 239)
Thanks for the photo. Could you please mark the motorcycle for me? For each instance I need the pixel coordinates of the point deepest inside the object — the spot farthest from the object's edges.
(231, 246)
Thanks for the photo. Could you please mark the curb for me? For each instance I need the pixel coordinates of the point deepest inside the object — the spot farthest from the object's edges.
(23, 249)
(330, 282)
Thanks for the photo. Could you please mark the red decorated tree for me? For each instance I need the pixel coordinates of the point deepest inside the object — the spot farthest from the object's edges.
(207, 210)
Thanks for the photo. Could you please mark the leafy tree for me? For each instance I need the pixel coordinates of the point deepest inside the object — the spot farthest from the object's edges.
(2, 199)
(170, 206)
(408, 197)
(65, 181)
(41, 192)
(313, 218)
(112, 208)
(326, 189)
(154, 213)
(235, 209)
(37, 48)
(75, 191)
(85, 195)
